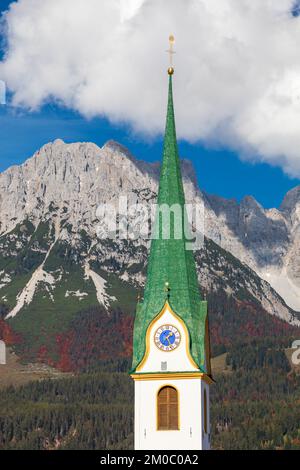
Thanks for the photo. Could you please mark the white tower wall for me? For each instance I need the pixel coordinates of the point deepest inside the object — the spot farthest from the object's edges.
(191, 435)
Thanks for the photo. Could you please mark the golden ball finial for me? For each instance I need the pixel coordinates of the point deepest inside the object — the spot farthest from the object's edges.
(171, 38)
(170, 70)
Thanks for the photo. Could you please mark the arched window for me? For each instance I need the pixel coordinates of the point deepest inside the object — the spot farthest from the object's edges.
(167, 409)
(205, 412)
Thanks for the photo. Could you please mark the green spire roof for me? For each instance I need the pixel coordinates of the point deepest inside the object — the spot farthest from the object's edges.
(171, 262)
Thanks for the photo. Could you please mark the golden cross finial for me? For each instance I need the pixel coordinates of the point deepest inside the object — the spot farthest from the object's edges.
(171, 52)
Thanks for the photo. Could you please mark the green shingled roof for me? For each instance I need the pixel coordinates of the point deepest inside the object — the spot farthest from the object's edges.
(170, 262)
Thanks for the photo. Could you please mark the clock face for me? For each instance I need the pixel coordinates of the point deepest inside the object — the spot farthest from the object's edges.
(167, 338)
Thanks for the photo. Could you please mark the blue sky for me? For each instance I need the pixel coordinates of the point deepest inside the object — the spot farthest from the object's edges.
(219, 171)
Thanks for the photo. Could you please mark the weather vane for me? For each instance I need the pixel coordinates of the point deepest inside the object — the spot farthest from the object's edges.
(171, 52)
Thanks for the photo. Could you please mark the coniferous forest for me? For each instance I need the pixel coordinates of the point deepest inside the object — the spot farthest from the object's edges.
(251, 409)
(255, 401)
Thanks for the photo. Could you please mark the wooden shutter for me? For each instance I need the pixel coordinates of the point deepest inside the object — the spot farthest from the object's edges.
(167, 409)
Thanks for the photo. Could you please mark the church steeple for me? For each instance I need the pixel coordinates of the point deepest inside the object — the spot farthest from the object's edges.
(172, 273)
(171, 364)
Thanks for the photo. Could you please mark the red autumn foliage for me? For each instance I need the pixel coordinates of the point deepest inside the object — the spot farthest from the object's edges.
(8, 335)
(64, 342)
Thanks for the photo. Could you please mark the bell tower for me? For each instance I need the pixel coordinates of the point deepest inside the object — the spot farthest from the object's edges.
(171, 358)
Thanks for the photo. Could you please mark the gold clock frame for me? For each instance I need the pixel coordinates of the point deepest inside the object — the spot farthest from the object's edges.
(168, 350)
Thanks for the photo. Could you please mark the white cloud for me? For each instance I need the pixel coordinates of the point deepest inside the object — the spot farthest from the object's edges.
(237, 78)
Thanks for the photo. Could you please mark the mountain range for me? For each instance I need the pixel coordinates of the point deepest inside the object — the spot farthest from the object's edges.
(54, 266)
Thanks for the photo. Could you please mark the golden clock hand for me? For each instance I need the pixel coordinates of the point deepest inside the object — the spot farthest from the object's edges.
(167, 337)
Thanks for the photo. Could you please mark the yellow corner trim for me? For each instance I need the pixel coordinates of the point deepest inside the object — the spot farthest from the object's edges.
(173, 376)
(148, 339)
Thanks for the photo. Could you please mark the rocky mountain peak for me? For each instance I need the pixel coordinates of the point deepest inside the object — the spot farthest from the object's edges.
(58, 142)
(115, 147)
(291, 200)
(250, 204)
(65, 183)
